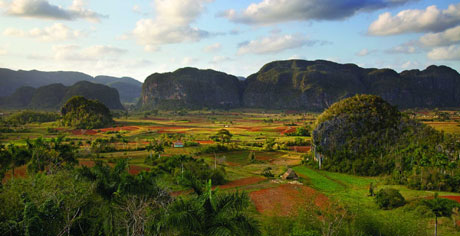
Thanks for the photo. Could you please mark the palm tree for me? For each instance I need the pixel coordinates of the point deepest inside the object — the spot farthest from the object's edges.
(211, 213)
(441, 207)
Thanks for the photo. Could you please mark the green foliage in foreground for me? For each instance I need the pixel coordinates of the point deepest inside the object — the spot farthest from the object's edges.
(81, 113)
(109, 201)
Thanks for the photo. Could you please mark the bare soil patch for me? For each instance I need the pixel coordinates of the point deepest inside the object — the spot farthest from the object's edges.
(285, 199)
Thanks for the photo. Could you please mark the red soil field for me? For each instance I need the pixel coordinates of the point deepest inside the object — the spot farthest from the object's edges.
(289, 130)
(83, 132)
(455, 198)
(284, 199)
(134, 170)
(18, 172)
(167, 127)
(242, 182)
(254, 129)
(123, 128)
(302, 149)
(204, 141)
(170, 132)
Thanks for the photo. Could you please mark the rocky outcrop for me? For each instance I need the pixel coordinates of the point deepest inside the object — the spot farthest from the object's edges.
(315, 85)
(191, 88)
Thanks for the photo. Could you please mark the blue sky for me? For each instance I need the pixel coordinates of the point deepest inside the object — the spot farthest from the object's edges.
(137, 38)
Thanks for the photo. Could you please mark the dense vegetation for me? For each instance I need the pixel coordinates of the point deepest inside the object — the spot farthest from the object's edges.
(365, 135)
(81, 113)
(25, 117)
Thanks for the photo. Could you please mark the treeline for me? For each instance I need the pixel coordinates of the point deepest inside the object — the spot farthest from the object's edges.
(364, 135)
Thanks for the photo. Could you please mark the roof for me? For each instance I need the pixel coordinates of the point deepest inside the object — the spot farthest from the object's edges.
(289, 174)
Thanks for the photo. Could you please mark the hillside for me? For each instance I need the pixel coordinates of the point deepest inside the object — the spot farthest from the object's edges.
(300, 84)
(315, 85)
(191, 88)
(53, 96)
(10, 80)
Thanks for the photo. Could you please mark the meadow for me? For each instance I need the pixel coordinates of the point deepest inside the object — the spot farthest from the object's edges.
(266, 135)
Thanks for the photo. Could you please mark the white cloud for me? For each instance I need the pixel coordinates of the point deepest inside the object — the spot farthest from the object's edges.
(3, 52)
(213, 47)
(274, 44)
(189, 61)
(55, 32)
(14, 32)
(172, 24)
(445, 53)
(429, 20)
(277, 11)
(445, 38)
(410, 65)
(410, 47)
(46, 10)
(93, 53)
(364, 52)
(219, 59)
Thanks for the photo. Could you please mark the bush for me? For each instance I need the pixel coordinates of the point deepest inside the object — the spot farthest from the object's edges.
(389, 198)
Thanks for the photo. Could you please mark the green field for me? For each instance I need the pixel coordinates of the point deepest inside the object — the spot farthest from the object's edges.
(250, 130)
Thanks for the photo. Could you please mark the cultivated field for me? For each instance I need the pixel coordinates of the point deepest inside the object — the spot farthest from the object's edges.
(252, 131)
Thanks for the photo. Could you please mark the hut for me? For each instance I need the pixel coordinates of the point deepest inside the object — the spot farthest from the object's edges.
(289, 174)
(178, 144)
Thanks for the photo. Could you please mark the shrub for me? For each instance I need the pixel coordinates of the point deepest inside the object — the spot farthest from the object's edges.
(389, 198)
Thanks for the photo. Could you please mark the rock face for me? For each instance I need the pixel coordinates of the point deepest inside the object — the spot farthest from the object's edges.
(315, 85)
(53, 96)
(191, 88)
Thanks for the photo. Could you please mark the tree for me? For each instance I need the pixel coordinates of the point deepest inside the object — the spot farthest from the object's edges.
(389, 198)
(82, 113)
(211, 213)
(224, 136)
(440, 207)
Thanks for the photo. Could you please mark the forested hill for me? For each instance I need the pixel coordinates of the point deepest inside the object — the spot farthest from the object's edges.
(315, 85)
(300, 84)
(10, 80)
(53, 96)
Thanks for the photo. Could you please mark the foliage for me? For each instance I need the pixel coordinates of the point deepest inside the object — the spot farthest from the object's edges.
(82, 113)
(211, 213)
(223, 135)
(25, 117)
(389, 198)
(301, 131)
(364, 135)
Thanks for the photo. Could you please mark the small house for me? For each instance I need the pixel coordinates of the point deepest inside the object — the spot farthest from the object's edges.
(178, 144)
(289, 174)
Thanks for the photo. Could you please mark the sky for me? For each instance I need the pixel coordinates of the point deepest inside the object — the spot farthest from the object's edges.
(139, 37)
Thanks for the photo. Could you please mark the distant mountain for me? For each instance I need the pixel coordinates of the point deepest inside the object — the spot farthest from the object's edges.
(191, 88)
(129, 88)
(315, 85)
(53, 96)
(302, 85)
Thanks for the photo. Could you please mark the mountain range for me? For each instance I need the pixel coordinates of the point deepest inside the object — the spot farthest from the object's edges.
(10, 80)
(53, 96)
(301, 84)
(291, 84)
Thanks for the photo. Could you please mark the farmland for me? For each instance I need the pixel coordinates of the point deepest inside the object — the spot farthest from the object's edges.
(265, 135)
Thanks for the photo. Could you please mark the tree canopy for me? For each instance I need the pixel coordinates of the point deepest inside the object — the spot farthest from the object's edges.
(83, 113)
